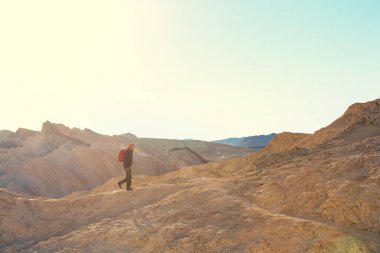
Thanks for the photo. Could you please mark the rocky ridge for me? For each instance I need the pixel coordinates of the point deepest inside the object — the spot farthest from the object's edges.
(59, 160)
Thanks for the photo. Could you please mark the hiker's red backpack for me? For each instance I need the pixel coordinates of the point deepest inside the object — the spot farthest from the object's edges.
(122, 155)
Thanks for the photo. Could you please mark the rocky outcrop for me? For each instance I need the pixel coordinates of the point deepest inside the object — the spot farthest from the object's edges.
(187, 155)
(85, 136)
(285, 141)
(361, 120)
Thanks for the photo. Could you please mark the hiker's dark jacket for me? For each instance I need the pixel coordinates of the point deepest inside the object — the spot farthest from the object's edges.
(128, 158)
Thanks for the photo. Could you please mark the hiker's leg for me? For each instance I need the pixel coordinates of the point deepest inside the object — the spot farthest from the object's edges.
(129, 178)
(125, 179)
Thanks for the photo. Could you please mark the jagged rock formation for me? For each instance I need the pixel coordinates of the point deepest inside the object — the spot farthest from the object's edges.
(320, 199)
(188, 153)
(59, 160)
(361, 120)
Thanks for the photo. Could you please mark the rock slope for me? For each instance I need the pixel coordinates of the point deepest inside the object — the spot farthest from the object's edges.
(285, 141)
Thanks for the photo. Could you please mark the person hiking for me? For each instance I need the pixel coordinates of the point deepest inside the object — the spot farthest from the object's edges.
(127, 164)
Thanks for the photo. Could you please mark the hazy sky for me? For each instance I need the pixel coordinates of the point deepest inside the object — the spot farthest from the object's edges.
(203, 69)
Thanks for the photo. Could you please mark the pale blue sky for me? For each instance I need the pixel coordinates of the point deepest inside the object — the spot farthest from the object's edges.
(186, 69)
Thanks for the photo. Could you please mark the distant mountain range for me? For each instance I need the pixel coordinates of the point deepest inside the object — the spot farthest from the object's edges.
(58, 160)
(256, 142)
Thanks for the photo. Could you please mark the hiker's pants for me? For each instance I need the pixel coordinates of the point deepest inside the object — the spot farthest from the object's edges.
(128, 178)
